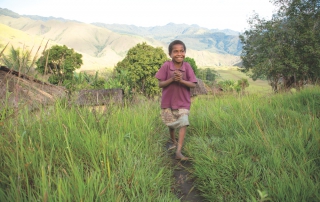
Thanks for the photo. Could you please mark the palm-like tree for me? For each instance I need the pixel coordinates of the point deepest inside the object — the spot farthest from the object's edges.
(18, 60)
(243, 83)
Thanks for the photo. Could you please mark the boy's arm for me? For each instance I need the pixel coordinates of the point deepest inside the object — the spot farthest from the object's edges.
(188, 83)
(165, 83)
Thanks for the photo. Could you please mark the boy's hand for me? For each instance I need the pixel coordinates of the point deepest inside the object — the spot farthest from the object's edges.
(177, 76)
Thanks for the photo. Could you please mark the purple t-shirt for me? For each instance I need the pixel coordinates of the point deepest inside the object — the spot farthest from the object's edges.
(176, 95)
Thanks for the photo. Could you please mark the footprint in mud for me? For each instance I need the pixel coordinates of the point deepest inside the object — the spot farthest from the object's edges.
(184, 187)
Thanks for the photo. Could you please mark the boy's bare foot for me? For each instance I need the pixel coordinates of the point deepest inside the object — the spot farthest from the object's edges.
(180, 157)
(172, 146)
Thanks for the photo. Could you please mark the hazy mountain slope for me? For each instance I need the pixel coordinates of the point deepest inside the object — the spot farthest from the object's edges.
(24, 41)
(171, 29)
(104, 48)
(7, 12)
(85, 38)
(19, 39)
(206, 58)
(198, 38)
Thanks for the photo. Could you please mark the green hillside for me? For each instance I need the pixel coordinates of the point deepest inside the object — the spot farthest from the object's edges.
(231, 73)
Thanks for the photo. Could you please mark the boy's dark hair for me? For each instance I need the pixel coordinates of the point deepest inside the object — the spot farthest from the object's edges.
(175, 42)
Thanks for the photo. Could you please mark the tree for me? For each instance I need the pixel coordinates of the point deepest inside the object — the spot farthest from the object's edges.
(18, 60)
(193, 64)
(59, 62)
(140, 66)
(263, 50)
(304, 18)
(211, 74)
(208, 75)
(285, 48)
(243, 83)
(82, 80)
(227, 85)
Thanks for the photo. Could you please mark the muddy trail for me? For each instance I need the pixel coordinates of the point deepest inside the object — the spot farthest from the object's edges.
(184, 187)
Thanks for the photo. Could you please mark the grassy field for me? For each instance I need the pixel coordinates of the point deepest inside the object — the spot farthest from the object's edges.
(75, 154)
(243, 148)
(257, 148)
(231, 73)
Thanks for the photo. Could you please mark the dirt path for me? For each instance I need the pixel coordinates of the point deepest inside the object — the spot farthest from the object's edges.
(184, 187)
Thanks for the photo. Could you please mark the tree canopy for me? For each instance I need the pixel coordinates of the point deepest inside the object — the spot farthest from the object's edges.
(193, 64)
(139, 68)
(285, 48)
(60, 62)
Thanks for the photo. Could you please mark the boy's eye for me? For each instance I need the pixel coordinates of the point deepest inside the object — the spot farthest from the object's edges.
(178, 51)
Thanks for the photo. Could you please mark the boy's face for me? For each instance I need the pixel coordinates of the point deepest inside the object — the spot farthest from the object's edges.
(178, 53)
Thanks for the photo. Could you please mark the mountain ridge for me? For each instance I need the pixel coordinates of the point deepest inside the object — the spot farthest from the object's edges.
(198, 38)
(110, 46)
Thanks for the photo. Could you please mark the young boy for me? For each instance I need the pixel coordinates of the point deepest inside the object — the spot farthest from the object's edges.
(176, 77)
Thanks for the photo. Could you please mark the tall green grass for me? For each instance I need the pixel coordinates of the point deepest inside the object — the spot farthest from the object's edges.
(245, 148)
(76, 154)
(245, 145)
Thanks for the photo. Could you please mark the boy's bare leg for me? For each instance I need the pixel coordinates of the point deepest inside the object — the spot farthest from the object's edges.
(182, 133)
(172, 136)
(173, 143)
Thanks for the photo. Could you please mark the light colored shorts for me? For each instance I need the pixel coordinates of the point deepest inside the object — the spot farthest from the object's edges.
(175, 118)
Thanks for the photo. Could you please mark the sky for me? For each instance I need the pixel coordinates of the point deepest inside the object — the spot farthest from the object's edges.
(211, 14)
